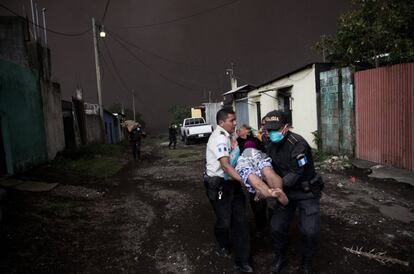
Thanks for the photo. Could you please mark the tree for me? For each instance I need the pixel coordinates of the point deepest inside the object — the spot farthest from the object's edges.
(129, 114)
(376, 32)
(179, 113)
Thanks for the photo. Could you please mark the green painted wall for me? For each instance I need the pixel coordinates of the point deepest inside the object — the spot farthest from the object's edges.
(329, 111)
(337, 111)
(21, 114)
(347, 117)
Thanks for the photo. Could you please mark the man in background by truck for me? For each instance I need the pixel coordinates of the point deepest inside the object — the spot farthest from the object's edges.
(172, 135)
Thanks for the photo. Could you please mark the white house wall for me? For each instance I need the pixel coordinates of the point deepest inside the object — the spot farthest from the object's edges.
(303, 94)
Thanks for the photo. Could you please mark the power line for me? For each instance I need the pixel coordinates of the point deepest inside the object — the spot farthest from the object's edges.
(182, 18)
(106, 9)
(109, 65)
(121, 80)
(151, 68)
(115, 68)
(160, 56)
(47, 29)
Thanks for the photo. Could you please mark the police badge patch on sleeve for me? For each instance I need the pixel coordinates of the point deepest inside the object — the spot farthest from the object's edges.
(221, 148)
(302, 160)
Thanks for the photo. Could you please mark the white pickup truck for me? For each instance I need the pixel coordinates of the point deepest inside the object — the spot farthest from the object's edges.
(195, 128)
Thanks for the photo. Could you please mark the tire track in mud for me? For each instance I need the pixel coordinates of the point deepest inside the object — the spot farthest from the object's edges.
(163, 252)
(153, 217)
(179, 240)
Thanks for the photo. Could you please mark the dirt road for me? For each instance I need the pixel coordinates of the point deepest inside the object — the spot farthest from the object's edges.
(153, 217)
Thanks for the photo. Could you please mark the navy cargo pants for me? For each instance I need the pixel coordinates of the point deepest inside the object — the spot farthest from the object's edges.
(231, 220)
(309, 214)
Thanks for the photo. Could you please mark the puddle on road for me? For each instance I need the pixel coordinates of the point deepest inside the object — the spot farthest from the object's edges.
(397, 212)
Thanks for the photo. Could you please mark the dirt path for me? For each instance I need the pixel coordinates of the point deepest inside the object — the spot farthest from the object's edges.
(153, 217)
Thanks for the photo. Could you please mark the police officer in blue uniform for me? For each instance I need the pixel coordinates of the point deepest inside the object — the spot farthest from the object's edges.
(292, 160)
(224, 190)
(172, 135)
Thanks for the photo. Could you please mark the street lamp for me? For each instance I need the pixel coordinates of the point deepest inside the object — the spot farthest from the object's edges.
(102, 33)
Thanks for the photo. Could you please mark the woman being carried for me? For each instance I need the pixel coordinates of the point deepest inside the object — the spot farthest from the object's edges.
(253, 166)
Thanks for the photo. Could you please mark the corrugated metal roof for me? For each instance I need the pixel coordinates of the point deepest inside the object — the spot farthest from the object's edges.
(294, 71)
(241, 88)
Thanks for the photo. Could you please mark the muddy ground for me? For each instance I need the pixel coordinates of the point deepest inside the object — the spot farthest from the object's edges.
(153, 217)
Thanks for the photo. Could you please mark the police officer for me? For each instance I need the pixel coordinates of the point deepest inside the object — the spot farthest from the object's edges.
(292, 160)
(135, 139)
(172, 135)
(226, 196)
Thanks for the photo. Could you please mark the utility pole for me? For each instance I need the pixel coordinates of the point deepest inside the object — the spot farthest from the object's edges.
(44, 26)
(37, 22)
(233, 80)
(33, 20)
(98, 73)
(133, 104)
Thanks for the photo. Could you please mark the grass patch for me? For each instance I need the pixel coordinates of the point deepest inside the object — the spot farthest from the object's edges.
(97, 160)
(62, 209)
(155, 139)
(319, 155)
(93, 151)
(184, 156)
(59, 205)
(99, 167)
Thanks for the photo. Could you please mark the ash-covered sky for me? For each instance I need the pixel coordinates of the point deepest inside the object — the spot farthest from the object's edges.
(175, 52)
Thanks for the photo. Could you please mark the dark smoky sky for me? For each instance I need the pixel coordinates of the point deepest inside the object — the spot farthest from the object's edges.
(180, 62)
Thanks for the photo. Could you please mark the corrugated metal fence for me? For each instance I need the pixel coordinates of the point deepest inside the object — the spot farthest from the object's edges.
(385, 115)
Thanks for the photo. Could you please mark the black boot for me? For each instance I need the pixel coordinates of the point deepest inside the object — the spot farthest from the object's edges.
(306, 266)
(279, 263)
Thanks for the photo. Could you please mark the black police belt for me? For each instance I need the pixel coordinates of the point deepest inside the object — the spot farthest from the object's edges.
(314, 185)
(214, 186)
(310, 189)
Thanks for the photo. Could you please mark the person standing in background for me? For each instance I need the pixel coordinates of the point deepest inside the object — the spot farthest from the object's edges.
(172, 135)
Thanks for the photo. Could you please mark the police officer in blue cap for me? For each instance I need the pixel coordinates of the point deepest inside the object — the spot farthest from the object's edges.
(292, 160)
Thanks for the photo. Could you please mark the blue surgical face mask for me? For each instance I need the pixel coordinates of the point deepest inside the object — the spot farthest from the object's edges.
(275, 136)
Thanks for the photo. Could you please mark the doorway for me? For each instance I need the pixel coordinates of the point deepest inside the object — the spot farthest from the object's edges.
(3, 167)
(259, 115)
(284, 98)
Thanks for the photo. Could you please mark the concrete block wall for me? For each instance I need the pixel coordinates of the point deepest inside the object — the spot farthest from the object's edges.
(337, 111)
(347, 118)
(53, 122)
(94, 132)
(13, 37)
(329, 111)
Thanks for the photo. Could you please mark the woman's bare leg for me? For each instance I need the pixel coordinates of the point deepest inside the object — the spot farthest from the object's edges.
(272, 179)
(275, 183)
(264, 191)
(261, 188)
